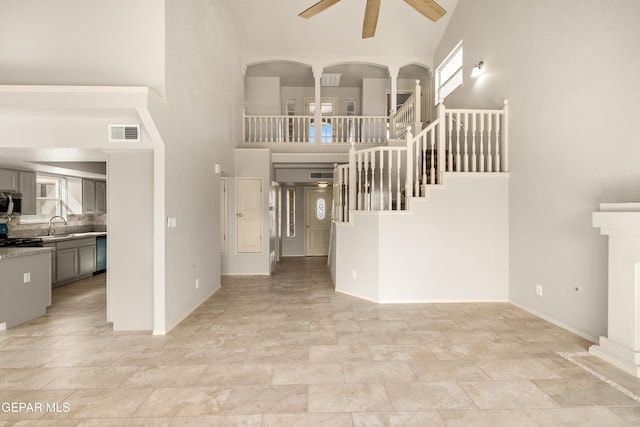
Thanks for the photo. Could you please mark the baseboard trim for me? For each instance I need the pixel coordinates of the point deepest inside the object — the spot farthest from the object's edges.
(187, 314)
(555, 322)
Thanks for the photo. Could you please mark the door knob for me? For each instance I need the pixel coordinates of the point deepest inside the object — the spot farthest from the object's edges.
(239, 215)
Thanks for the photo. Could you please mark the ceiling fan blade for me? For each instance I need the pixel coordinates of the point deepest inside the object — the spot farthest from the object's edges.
(370, 18)
(317, 8)
(428, 8)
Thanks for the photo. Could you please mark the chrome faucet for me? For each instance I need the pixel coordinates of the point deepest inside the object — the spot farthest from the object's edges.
(51, 223)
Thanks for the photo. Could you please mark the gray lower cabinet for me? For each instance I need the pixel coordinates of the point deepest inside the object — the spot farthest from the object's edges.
(74, 259)
(66, 264)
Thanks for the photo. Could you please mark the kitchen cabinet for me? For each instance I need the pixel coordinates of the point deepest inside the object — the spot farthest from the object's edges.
(101, 197)
(66, 264)
(88, 196)
(74, 259)
(25, 286)
(94, 196)
(8, 180)
(28, 187)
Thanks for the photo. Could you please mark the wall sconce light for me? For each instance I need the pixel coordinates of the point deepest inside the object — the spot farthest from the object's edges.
(477, 69)
(323, 184)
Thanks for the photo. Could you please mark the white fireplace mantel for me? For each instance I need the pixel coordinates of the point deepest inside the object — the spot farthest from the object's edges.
(621, 346)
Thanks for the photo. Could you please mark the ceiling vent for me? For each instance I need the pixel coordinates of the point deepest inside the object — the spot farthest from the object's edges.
(124, 133)
(320, 175)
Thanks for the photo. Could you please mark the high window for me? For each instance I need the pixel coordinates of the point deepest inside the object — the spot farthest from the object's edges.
(291, 212)
(448, 75)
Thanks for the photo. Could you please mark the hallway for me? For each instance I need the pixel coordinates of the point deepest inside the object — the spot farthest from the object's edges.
(288, 350)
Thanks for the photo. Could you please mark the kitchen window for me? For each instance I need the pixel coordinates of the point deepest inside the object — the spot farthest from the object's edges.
(51, 199)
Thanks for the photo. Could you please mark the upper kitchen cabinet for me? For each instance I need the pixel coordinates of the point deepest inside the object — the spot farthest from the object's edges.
(28, 186)
(94, 196)
(101, 197)
(8, 180)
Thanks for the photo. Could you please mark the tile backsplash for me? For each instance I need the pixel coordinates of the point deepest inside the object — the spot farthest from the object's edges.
(75, 224)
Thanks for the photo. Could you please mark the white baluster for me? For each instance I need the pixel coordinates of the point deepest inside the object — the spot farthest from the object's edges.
(416, 168)
(489, 133)
(398, 188)
(465, 130)
(381, 180)
(424, 142)
(389, 185)
(458, 157)
(497, 157)
(372, 191)
(482, 139)
(450, 144)
(432, 172)
(474, 158)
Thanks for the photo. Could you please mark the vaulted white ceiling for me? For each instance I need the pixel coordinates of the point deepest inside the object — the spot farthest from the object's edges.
(273, 30)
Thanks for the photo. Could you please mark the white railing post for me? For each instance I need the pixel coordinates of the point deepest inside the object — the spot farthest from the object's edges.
(352, 179)
(244, 125)
(442, 137)
(408, 185)
(417, 108)
(505, 136)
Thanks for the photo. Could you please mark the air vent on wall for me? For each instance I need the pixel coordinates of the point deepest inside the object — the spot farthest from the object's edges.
(124, 133)
(320, 175)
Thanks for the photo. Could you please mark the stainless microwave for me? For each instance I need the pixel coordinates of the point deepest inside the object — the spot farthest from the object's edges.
(10, 203)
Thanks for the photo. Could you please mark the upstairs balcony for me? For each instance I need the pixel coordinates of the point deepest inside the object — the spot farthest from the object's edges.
(373, 109)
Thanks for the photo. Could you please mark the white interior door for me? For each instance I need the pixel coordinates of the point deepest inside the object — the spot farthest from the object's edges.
(249, 215)
(317, 218)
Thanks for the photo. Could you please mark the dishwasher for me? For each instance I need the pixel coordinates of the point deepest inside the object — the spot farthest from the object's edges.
(101, 254)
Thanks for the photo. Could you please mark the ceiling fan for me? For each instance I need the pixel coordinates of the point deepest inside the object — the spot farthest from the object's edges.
(428, 8)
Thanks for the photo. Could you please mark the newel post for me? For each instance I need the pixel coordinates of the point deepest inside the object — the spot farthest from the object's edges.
(408, 184)
(442, 132)
(418, 108)
(244, 125)
(352, 179)
(505, 136)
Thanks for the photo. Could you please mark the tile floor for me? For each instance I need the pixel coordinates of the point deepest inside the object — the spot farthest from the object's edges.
(287, 350)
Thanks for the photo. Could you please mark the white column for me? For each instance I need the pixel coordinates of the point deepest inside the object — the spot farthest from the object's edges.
(317, 120)
(621, 346)
(393, 77)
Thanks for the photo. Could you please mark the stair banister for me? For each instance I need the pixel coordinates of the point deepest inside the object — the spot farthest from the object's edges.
(352, 179)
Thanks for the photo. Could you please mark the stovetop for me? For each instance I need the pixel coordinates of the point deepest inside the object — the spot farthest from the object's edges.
(21, 242)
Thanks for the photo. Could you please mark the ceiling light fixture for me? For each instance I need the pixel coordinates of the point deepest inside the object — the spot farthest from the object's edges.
(477, 69)
(323, 184)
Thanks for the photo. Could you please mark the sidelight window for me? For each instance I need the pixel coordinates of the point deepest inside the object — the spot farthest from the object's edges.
(291, 212)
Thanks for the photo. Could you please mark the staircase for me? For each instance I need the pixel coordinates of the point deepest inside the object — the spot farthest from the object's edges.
(426, 221)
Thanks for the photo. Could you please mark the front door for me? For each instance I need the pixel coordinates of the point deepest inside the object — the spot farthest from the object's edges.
(317, 218)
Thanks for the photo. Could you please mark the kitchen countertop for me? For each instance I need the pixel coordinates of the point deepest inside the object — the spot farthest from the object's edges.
(12, 252)
(63, 237)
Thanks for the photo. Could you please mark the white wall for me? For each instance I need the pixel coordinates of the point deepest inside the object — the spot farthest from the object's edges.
(200, 125)
(262, 95)
(451, 246)
(570, 71)
(130, 240)
(82, 42)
